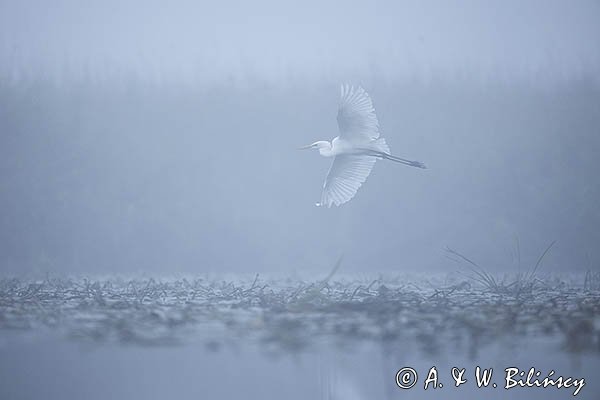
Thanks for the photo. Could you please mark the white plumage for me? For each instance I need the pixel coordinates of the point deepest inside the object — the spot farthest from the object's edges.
(346, 175)
(355, 150)
(356, 116)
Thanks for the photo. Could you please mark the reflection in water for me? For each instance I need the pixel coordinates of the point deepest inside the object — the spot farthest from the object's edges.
(339, 387)
(348, 338)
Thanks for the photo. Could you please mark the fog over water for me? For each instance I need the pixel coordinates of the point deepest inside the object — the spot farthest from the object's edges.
(158, 230)
(140, 137)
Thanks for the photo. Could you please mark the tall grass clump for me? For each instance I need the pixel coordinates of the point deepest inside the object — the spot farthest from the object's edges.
(521, 283)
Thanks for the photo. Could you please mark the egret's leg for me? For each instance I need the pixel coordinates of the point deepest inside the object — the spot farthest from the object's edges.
(380, 154)
(417, 164)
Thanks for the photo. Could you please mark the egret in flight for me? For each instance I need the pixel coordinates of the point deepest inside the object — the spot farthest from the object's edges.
(355, 150)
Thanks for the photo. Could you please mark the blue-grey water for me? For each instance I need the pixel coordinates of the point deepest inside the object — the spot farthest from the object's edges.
(268, 339)
(55, 368)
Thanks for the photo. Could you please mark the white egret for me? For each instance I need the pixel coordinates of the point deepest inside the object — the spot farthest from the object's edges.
(355, 150)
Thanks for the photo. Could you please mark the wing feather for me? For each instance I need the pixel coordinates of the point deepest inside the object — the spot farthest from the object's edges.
(346, 175)
(356, 116)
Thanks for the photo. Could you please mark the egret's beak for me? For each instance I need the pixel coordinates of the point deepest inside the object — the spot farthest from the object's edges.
(305, 147)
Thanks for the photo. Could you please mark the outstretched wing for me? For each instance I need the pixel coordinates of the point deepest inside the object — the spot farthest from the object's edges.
(356, 116)
(346, 175)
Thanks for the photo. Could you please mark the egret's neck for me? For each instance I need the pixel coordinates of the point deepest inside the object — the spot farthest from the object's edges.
(325, 149)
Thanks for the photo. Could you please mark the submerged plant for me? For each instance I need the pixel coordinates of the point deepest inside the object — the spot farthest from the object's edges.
(291, 316)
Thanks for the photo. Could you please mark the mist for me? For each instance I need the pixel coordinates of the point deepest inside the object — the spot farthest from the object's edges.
(137, 137)
(159, 234)
(208, 43)
(142, 178)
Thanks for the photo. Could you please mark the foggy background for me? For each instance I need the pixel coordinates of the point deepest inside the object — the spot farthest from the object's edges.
(140, 137)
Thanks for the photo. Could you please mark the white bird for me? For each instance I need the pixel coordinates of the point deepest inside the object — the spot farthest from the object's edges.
(355, 150)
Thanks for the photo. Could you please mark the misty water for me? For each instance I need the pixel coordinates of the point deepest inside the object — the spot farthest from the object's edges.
(158, 230)
(273, 338)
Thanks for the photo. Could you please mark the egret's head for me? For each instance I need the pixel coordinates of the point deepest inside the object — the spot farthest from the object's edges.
(321, 144)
